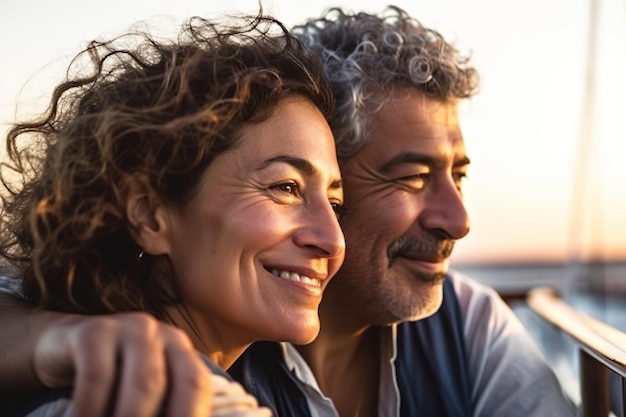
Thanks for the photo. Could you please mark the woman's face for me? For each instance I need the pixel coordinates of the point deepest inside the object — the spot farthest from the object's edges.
(256, 247)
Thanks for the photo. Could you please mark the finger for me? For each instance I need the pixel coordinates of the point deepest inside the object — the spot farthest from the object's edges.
(142, 369)
(94, 351)
(230, 394)
(53, 360)
(232, 401)
(191, 388)
(235, 412)
(221, 385)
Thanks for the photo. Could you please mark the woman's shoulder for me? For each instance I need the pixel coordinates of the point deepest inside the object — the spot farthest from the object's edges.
(63, 407)
(215, 368)
(42, 403)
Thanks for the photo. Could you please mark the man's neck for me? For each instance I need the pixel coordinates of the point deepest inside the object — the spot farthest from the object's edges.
(346, 366)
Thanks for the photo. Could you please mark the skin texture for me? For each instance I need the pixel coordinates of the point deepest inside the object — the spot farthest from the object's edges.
(403, 213)
(194, 179)
(267, 205)
(146, 346)
(417, 198)
(403, 209)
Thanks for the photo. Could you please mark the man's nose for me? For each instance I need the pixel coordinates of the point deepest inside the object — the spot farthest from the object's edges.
(444, 211)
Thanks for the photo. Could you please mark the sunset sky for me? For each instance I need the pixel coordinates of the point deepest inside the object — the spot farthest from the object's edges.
(530, 193)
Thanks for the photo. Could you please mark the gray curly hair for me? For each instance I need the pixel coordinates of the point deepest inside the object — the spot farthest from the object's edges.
(366, 56)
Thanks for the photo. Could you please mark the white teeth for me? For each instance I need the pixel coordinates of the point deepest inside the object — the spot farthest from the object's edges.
(294, 276)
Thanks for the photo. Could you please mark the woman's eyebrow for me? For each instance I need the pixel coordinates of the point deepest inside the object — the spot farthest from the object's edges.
(336, 185)
(300, 164)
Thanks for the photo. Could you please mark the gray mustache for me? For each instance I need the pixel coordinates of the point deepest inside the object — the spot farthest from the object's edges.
(428, 247)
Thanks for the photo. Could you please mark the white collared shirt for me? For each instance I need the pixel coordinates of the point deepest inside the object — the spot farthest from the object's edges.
(322, 406)
(509, 374)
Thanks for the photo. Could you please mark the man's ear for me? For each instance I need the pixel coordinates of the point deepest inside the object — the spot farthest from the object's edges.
(147, 218)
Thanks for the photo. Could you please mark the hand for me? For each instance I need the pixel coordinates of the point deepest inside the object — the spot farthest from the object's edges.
(131, 357)
(231, 400)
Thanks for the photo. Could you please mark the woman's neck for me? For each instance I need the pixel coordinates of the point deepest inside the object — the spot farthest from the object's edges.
(218, 347)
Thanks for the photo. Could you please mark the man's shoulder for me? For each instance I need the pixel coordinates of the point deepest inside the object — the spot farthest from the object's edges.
(462, 281)
(470, 291)
(482, 308)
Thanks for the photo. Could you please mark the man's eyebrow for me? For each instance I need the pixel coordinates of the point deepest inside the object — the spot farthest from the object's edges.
(461, 162)
(409, 157)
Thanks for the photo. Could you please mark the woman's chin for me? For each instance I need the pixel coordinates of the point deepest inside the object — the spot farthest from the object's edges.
(303, 336)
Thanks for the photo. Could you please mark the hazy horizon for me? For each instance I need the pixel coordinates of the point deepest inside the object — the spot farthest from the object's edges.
(529, 194)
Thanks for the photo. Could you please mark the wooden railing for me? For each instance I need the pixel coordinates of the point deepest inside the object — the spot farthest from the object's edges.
(602, 348)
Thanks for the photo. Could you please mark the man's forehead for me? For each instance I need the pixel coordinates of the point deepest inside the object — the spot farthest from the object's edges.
(412, 127)
(445, 114)
(418, 106)
(416, 144)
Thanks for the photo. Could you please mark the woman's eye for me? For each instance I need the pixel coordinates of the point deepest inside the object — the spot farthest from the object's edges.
(288, 187)
(338, 209)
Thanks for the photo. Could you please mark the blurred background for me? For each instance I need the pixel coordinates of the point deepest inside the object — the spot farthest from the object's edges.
(547, 186)
(535, 192)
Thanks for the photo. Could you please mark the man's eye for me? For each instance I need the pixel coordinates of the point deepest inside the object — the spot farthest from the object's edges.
(416, 177)
(415, 181)
(458, 179)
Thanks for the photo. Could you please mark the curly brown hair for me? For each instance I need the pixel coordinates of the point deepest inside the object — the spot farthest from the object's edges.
(136, 106)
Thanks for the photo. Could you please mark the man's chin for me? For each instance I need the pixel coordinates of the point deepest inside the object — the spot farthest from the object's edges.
(431, 304)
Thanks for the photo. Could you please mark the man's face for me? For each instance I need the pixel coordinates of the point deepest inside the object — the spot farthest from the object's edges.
(404, 211)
